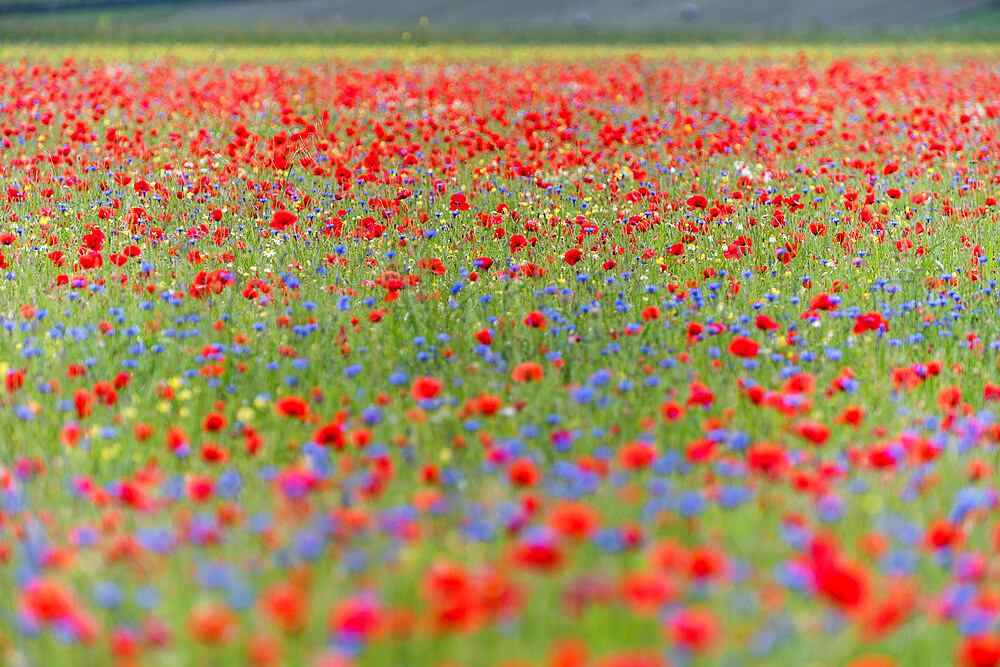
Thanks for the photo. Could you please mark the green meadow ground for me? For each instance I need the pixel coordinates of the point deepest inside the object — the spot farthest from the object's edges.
(349, 364)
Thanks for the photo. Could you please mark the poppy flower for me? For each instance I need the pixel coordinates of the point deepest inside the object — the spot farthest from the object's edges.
(949, 398)
(527, 371)
(697, 201)
(48, 600)
(872, 661)
(282, 220)
(870, 321)
(765, 323)
(523, 472)
(292, 406)
(701, 450)
(331, 435)
(842, 581)
(213, 422)
(636, 455)
(356, 617)
(741, 346)
(814, 432)
(694, 628)
(543, 556)
(767, 458)
(942, 534)
(822, 301)
(979, 651)
(852, 414)
(286, 606)
(645, 592)
(671, 411)
(211, 623)
(535, 320)
(635, 658)
(574, 520)
(425, 388)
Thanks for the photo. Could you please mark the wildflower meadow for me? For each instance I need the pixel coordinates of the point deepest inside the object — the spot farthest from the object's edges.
(569, 358)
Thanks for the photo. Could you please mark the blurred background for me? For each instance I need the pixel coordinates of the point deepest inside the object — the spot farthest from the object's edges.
(505, 20)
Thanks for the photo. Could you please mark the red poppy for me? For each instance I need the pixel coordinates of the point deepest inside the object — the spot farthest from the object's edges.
(870, 321)
(815, 432)
(741, 346)
(766, 457)
(425, 388)
(286, 605)
(527, 371)
(637, 455)
(331, 434)
(213, 421)
(282, 220)
(574, 519)
(949, 398)
(979, 651)
(523, 472)
(292, 406)
(211, 623)
(535, 320)
(695, 629)
(765, 323)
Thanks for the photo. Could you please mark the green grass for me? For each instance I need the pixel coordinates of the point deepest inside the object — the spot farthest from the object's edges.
(749, 532)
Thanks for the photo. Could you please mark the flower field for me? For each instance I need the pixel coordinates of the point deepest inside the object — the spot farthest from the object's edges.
(597, 358)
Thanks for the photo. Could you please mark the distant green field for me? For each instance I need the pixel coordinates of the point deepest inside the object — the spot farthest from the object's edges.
(154, 25)
(982, 19)
(502, 22)
(63, 6)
